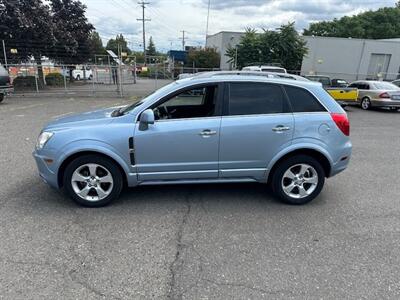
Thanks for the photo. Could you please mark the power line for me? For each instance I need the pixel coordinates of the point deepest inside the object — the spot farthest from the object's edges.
(144, 20)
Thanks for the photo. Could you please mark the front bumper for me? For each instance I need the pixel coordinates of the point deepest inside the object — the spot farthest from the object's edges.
(6, 89)
(46, 170)
(385, 103)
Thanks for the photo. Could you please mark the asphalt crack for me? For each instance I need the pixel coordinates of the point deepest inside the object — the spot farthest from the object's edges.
(177, 263)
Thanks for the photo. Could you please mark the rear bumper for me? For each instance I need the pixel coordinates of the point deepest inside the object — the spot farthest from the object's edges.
(343, 160)
(385, 103)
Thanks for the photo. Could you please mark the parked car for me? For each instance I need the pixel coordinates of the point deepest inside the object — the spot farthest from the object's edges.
(5, 83)
(79, 74)
(337, 88)
(377, 94)
(265, 69)
(396, 82)
(241, 128)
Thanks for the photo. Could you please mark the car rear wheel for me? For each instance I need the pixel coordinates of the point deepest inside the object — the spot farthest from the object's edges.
(78, 77)
(365, 103)
(298, 179)
(1, 97)
(93, 180)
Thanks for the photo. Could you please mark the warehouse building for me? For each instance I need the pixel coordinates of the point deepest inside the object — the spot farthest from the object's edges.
(345, 58)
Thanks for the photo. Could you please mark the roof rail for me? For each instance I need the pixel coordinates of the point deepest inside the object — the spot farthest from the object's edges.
(250, 73)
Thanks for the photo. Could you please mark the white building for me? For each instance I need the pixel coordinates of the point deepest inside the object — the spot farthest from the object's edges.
(344, 58)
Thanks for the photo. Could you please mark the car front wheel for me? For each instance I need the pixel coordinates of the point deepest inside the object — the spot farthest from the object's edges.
(298, 179)
(93, 180)
(365, 103)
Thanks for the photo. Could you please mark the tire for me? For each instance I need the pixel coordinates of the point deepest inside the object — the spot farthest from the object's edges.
(93, 180)
(78, 77)
(1, 97)
(305, 185)
(365, 103)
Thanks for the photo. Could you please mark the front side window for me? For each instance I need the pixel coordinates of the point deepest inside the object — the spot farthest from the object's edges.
(249, 98)
(302, 100)
(195, 102)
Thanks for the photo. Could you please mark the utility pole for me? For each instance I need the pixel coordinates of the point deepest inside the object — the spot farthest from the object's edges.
(183, 39)
(5, 54)
(144, 20)
(208, 17)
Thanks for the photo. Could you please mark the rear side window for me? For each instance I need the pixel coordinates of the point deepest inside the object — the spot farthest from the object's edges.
(249, 98)
(302, 100)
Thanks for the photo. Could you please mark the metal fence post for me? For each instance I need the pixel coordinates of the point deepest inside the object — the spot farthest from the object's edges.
(93, 68)
(65, 78)
(36, 79)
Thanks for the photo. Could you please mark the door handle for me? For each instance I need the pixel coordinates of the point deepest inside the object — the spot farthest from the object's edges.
(207, 133)
(280, 128)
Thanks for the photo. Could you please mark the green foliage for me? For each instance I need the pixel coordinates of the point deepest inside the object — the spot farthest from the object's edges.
(24, 82)
(203, 58)
(54, 79)
(151, 48)
(283, 47)
(71, 30)
(95, 44)
(380, 24)
(112, 44)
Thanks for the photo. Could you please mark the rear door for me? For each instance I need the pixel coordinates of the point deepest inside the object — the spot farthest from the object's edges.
(256, 124)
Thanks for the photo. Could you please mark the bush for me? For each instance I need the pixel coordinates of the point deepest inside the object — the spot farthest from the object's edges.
(24, 82)
(54, 79)
(143, 74)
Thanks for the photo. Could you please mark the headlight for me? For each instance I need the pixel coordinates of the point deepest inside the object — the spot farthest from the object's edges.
(43, 138)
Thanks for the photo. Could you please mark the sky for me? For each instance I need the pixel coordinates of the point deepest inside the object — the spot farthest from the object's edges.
(170, 17)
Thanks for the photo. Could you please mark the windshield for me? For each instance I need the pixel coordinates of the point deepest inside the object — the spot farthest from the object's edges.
(129, 108)
(385, 86)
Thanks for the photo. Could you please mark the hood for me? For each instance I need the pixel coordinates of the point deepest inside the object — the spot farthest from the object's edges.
(101, 116)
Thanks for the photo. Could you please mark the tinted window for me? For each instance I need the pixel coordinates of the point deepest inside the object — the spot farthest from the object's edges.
(255, 98)
(302, 100)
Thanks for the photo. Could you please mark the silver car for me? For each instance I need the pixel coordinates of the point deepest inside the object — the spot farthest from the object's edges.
(205, 129)
(377, 94)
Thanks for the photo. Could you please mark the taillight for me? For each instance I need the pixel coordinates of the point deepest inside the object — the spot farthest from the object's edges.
(384, 95)
(342, 122)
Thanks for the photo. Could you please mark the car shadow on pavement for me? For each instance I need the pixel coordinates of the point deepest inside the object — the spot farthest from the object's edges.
(43, 198)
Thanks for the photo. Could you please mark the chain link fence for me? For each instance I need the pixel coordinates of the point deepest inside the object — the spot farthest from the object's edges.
(30, 79)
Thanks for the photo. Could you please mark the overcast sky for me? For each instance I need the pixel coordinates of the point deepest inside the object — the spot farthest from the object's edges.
(169, 17)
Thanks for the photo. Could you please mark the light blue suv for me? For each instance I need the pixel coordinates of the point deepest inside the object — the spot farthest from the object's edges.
(210, 128)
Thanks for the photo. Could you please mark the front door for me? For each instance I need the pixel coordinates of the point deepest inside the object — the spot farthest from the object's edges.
(183, 142)
(256, 125)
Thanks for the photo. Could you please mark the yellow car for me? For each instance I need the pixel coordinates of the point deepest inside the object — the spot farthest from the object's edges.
(337, 88)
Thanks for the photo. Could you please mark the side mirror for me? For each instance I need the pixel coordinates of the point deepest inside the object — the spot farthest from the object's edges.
(146, 118)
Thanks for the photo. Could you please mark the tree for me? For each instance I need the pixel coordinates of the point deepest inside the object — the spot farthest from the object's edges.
(207, 58)
(72, 32)
(57, 29)
(95, 44)
(283, 47)
(151, 48)
(27, 27)
(120, 41)
(380, 24)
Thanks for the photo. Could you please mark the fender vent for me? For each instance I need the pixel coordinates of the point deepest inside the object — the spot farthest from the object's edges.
(131, 151)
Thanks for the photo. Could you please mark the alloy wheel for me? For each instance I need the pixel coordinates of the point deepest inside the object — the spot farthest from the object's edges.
(299, 181)
(92, 182)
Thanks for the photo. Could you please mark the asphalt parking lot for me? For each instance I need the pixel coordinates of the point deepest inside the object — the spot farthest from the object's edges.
(231, 241)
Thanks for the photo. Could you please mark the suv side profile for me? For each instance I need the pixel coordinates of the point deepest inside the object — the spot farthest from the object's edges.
(290, 134)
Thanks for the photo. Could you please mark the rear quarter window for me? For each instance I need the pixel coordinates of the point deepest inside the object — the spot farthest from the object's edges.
(302, 100)
(249, 98)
